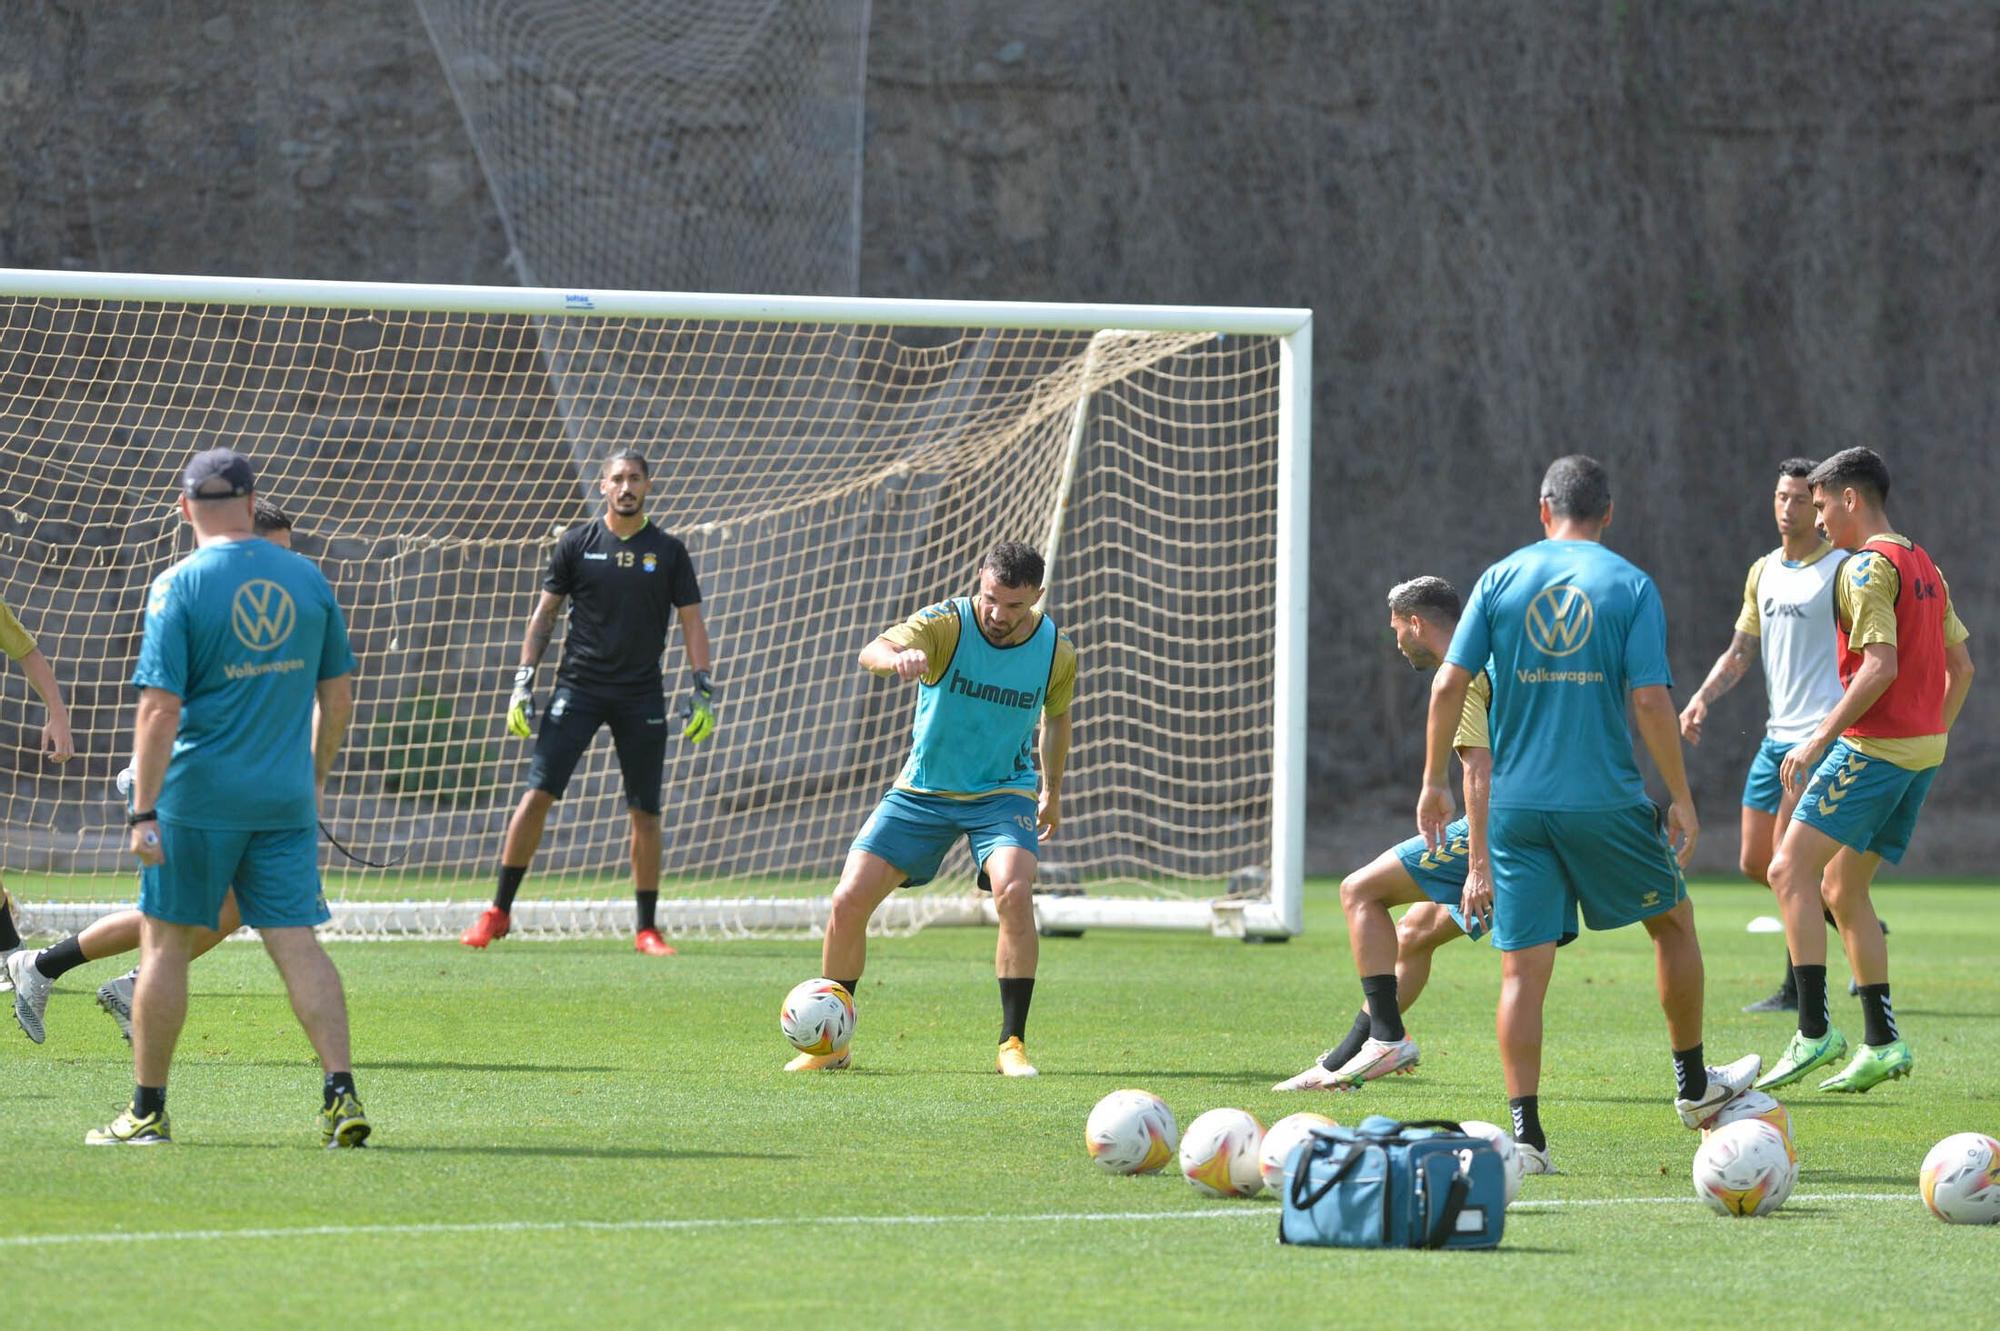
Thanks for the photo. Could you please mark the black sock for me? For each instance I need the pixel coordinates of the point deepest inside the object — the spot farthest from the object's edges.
(1385, 1019)
(510, 883)
(1015, 995)
(853, 988)
(648, 903)
(1877, 1015)
(148, 1100)
(10, 937)
(1527, 1114)
(1690, 1073)
(60, 958)
(337, 1085)
(1789, 986)
(1831, 923)
(1812, 1000)
(1350, 1044)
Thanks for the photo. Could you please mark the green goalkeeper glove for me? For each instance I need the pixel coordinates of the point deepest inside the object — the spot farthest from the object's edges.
(521, 704)
(697, 713)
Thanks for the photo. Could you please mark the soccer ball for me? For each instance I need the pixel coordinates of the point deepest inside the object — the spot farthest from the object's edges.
(1219, 1154)
(1503, 1142)
(1744, 1168)
(1280, 1141)
(1759, 1106)
(1960, 1180)
(818, 1016)
(1131, 1132)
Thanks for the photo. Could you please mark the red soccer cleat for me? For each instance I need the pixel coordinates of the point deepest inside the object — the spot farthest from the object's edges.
(491, 924)
(650, 943)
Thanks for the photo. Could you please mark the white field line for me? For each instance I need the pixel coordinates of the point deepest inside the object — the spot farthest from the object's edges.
(1263, 1213)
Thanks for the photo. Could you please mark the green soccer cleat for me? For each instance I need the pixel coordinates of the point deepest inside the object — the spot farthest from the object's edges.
(343, 1123)
(128, 1129)
(1802, 1056)
(1872, 1065)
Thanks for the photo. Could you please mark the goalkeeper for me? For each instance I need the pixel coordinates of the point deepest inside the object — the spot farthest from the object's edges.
(626, 582)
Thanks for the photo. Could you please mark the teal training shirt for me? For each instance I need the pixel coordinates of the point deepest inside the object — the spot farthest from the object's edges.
(242, 632)
(975, 727)
(1572, 628)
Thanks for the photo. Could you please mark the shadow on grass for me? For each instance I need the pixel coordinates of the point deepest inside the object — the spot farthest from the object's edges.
(590, 1152)
(365, 1066)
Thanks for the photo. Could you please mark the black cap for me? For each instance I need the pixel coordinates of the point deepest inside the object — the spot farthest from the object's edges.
(220, 473)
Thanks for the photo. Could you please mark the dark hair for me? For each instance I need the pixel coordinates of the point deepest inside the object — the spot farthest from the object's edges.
(1797, 468)
(1432, 598)
(270, 517)
(628, 455)
(1861, 468)
(1014, 563)
(1577, 487)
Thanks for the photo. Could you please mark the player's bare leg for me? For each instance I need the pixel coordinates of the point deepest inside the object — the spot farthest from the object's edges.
(159, 1010)
(1424, 928)
(318, 1001)
(1883, 1054)
(1798, 871)
(1015, 954)
(646, 883)
(866, 881)
(517, 852)
(1700, 1090)
(1517, 1026)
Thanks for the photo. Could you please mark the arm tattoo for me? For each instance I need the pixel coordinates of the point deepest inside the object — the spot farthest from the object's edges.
(541, 627)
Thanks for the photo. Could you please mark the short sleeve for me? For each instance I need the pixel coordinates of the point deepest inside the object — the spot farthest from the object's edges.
(1747, 619)
(686, 591)
(15, 640)
(1646, 641)
(1955, 631)
(1062, 677)
(1472, 726)
(1472, 641)
(560, 577)
(1866, 591)
(935, 630)
(163, 650)
(336, 654)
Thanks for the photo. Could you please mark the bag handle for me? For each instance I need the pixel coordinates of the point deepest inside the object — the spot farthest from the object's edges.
(1432, 1123)
(1304, 1195)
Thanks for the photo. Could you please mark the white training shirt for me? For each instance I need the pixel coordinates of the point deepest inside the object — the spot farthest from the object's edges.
(1788, 608)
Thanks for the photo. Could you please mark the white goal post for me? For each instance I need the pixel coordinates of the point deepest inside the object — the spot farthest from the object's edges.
(833, 464)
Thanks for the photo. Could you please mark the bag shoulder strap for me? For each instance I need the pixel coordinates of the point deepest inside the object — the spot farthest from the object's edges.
(1305, 1194)
(1454, 1204)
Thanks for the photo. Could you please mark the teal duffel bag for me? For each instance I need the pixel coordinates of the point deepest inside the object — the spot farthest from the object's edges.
(1386, 1184)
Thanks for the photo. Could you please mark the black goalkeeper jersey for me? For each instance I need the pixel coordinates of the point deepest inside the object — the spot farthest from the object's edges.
(622, 601)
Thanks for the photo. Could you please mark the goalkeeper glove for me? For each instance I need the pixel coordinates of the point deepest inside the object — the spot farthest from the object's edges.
(521, 703)
(697, 715)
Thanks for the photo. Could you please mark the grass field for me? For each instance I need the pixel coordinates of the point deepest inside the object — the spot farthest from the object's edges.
(570, 1134)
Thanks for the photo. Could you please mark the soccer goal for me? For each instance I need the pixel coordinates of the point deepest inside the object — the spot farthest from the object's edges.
(833, 464)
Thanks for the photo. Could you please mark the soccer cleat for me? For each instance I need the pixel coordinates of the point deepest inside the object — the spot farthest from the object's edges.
(1012, 1060)
(31, 993)
(1802, 1056)
(115, 997)
(343, 1123)
(1779, 1001)
(1317, 1078)
(1534, 1161)
(1872, 1065)
(491, 924)
(650, 943)
(1724, 1084)
(832, 1062)
(1379, 1058)
(6, 980)
(128, 1129)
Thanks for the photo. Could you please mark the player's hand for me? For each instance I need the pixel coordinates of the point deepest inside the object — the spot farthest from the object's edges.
(521, 704)
(1801, 763)
(1683, 830)
(1048, 815)
(56, 741)
(1475, 899)
(1692, 717)
(1433, 812)
(698, 712)
(911, 663)
(144, 842)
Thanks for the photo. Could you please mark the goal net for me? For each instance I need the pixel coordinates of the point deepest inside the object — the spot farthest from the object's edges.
(832, 464)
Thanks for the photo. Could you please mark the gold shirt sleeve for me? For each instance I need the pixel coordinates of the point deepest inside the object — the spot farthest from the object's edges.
(1472, 733)
(15, 640)
(1747, 619)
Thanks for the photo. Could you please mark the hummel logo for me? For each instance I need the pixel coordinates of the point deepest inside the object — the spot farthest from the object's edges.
(590, 556)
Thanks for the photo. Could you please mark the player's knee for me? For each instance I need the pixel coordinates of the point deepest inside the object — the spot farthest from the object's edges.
(1756, 867)
(1014, 896)
(1354, 893)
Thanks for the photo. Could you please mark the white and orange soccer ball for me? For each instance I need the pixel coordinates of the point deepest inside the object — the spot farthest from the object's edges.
(818, 1016)
(1219, 1153)
(1503, 1142)
(1131, 1132)
(1744, 1168)
(1280, 1140)
(1960, 1180)
(1759, 1106)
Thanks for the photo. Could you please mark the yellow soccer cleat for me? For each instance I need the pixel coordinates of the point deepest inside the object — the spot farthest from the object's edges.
(1012, 1060)
(832, 1062)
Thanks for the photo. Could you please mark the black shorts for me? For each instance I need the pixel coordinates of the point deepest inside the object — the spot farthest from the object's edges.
(638, 724)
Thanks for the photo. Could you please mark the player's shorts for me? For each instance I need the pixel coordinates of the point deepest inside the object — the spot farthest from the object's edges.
(1867, 803)
(275, 874)
(1440, 875)
(914, 832)
(638, 724)
(1615, 865)
(1762, 790)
